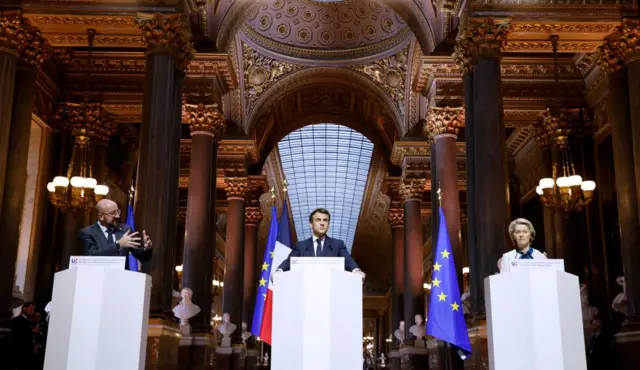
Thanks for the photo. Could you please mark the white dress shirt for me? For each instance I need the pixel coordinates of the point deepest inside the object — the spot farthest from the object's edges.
(315, 244)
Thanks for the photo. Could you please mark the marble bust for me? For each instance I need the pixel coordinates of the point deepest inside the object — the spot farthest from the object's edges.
(226, 328)
(245, 334)
(620, 303)
(186, 309)
(383, 360)
(418, 331)
(399, 333)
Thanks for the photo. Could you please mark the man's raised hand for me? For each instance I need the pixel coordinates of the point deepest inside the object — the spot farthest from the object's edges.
(129, 240)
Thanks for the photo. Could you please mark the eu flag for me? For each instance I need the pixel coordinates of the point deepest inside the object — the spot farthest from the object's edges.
(133, 261)
(446, 318)
(258, 311)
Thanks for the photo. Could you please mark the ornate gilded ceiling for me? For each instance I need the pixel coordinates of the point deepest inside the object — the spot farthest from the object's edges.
(325, 30)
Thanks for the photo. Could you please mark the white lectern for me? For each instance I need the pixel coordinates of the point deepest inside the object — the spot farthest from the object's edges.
(317, 317)
(534, 320)
(99, 318)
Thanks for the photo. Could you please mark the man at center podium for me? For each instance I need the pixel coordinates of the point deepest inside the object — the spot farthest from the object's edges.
(321, 245)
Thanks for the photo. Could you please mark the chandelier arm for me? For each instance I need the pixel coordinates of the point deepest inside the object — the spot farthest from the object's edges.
(89, 155)
(573, 166)
(73, 155)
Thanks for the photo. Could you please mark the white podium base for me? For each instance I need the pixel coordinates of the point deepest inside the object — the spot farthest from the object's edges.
(317, 320)
(534, 321)
(99, 320)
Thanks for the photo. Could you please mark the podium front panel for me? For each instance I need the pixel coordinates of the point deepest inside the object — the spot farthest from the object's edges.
(534, 321)
(317, 320)
(99, 320)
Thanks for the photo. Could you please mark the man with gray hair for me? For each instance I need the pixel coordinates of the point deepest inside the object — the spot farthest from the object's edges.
(107, 238)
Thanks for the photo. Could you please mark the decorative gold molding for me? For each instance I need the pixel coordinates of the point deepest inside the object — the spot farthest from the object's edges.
(443, 120)
(23, 40)
(403, 149)
(97, 124)
(611, 56)
(396, 217)
(236, 187)
(412, 189)
(481, 38)
(204, 119)
(167, 33)
(252, 216)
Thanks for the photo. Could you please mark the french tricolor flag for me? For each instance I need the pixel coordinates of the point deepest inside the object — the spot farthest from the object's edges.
(275, 252)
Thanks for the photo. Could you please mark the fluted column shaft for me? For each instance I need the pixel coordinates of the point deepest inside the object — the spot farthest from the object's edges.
(232, 296)
(253, 216)
(8, 63)
(396, 220)
(413, 254)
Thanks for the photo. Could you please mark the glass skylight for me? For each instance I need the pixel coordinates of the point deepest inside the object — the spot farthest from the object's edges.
(326, 166)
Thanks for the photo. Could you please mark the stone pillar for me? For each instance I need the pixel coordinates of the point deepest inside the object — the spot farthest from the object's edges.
(478, 49)
(396, 221)
(628, 340)
(411, 191)
(207, 127)
(253, 217)
(478, 52)
(237, 189)
(442, 129)
(168, 53)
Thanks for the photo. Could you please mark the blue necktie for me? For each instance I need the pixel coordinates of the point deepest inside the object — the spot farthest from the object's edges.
(319, 247)
(528, 255)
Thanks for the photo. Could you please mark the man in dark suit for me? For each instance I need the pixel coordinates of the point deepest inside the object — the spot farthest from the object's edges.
(321, 245)
(106, 238)
(23, 338)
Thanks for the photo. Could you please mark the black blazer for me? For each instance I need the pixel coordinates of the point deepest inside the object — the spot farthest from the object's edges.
(22, 335)
(95, 244)
(331, 248)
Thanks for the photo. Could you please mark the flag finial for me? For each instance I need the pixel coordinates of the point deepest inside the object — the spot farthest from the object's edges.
(285, 185)
(439, 194)
(273, 192)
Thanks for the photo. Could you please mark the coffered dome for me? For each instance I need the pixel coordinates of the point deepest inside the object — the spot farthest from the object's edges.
(325, 29)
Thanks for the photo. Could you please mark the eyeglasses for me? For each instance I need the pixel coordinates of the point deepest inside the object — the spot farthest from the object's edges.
(113, 213)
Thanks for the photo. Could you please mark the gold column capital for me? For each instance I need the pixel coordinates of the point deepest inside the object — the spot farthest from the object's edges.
(21, 39)
(396, 217)
(481, 38)
(97, 125)
(630, 41)
(237, 187)
(612, 56)
(167, 34)
(412, 189)
(204, 120)
(252, 216)
(443, 120)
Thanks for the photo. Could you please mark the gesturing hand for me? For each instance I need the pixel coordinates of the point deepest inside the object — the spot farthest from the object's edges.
(129, 240)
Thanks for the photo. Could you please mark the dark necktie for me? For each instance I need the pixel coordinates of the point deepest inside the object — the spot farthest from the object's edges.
(319, 247)
(110, 234)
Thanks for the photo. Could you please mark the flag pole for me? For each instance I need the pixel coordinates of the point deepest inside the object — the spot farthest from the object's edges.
(447, 363)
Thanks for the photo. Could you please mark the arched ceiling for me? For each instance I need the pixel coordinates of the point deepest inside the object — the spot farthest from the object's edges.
(312, 29)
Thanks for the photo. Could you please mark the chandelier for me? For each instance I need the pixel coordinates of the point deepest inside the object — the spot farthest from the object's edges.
(568, 192)
(80, 192)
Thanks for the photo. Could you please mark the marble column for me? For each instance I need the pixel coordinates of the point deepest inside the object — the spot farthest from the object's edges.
(478, 51)
(619, 109)
(237, 189)
(442, 129)
(21, 54)
(489, 167)
(207, 127)
(168, 53)
(396, 221)
(411, 191)
(253, 217)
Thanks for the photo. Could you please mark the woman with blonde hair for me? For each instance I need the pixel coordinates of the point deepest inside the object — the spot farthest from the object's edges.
(522, 233)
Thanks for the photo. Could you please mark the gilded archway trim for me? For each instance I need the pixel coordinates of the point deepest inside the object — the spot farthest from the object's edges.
(324, 76)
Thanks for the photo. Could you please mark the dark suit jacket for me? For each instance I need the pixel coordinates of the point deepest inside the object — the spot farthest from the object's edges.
(95, 244)
(331, 248)
(22, 335)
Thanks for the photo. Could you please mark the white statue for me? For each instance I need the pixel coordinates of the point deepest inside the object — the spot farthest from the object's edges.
(265, 360)
(399, 333)
(186, 309)
(383, 360)
(245, 334)
(418, 329)
(226, 328)
(620, 303)
(47, 309)
(588, 312)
